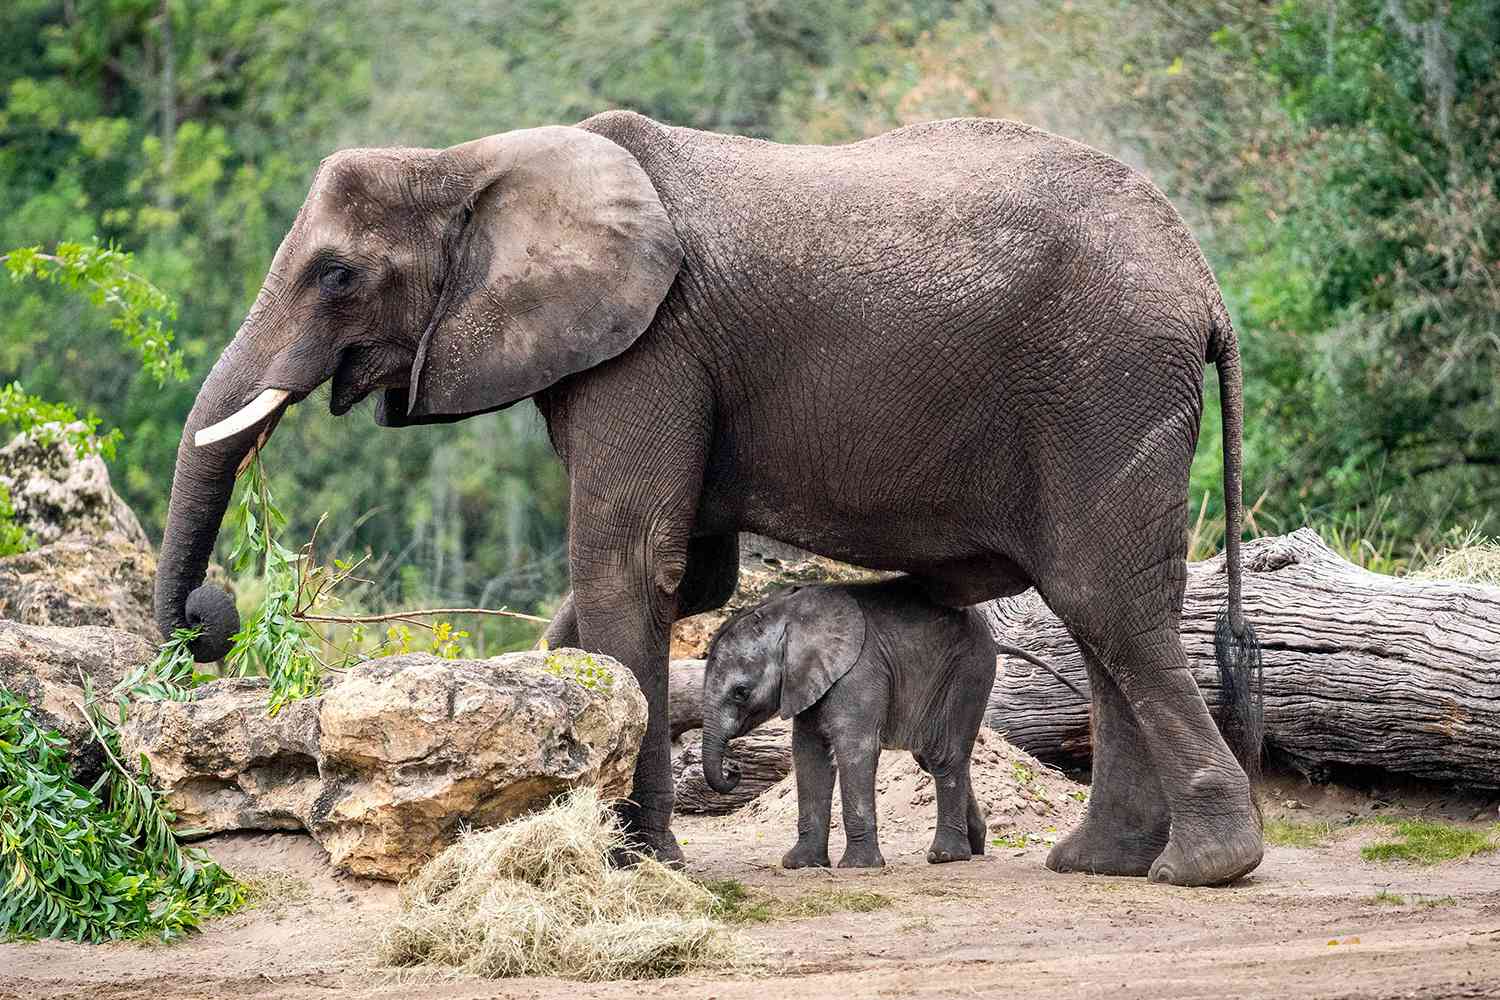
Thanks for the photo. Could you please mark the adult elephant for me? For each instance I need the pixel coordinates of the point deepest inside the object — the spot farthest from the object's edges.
(969, 350)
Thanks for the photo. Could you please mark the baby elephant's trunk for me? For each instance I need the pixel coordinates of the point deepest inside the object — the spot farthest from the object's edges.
(721, 777)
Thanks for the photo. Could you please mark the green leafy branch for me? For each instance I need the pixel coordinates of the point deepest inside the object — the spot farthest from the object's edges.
(101, 862)
(138, 310)
(281, 639)
(102, 272)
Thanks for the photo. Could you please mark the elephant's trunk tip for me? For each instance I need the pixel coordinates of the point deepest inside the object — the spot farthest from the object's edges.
(722, 776)
(213, 611)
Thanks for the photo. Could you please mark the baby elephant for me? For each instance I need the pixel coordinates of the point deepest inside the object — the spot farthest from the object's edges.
(856, 667)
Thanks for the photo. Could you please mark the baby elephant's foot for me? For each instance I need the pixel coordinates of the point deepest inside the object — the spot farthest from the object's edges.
(862, 856)
(806, 856)
(949, 846)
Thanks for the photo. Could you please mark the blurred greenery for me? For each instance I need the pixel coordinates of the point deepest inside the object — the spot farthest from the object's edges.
(1337, 158)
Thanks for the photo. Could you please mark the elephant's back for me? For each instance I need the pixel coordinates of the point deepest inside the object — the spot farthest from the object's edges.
(960, 173)
(942, 218)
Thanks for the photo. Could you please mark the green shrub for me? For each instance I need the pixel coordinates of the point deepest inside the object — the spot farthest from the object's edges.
(92, 864)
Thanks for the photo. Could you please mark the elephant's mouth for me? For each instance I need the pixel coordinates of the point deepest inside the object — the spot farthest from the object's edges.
(362, 369)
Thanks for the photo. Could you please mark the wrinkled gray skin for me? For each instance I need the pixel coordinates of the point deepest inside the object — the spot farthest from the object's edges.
(970, 351)
(856, 668)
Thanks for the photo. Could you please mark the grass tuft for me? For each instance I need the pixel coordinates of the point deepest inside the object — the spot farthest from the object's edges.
(741, 905)
(538, 897)
(1290, 833)
(736, 904)
(1426, 842)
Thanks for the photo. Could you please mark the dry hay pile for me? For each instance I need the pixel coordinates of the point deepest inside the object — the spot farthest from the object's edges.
(1024, 801)
(538, 897)
(1475, 560)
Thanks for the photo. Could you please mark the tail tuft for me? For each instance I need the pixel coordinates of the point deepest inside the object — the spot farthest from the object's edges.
(1241, 692)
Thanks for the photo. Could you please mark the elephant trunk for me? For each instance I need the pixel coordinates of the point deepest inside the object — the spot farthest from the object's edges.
(722, 777)
(233, 408)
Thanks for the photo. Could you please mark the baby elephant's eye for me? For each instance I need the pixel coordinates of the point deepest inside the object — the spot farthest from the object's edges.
(740, 693)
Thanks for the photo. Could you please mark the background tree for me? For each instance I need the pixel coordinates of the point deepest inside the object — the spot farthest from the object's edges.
(1338, 159)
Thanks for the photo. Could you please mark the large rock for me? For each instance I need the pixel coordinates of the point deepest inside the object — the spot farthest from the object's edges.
(56, 493)
(91, 563)
(385, 766)
(82, 580)
(46, 666)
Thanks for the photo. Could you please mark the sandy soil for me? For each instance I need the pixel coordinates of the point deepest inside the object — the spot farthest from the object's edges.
(1306, 924)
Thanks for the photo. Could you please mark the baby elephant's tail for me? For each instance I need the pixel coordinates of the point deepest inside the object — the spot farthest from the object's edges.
(1037, 661)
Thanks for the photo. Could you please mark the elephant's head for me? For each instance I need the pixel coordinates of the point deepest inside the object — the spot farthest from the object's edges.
(454, 281)
(782, 656)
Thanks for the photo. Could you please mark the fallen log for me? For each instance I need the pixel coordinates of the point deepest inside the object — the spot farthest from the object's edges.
(1360, 670)
(684, 696)
(763, 756)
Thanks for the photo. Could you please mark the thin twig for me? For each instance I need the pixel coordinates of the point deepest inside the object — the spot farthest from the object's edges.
(396, 616)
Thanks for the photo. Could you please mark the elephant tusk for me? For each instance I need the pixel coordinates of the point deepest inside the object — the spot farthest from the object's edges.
(247, 416)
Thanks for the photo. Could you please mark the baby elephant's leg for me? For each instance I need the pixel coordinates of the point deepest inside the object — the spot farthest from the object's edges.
(952, 840)
(858, 757)
(978, 831)
(814, 765)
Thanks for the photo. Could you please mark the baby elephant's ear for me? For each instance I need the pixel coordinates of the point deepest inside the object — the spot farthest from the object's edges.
(825, 634)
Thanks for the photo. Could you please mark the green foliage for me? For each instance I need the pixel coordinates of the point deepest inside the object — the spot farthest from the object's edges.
(580, 667)
(92, 863)
(1427, 842)
(170, 676)
(137, 308)
(13, 537)
(273, 641)
(103, 275)
(50, 422)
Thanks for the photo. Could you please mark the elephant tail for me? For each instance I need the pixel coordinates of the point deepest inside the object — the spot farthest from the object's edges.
(1236, 649)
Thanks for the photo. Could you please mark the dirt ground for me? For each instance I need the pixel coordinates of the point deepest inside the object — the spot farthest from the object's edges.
(1310, 922)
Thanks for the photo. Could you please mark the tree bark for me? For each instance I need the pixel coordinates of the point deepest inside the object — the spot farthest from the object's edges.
(764, 757)
(1360, 670)
(684, 696)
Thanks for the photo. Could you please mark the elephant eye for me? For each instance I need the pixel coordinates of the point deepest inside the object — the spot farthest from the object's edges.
(335, 279)
(740, 693)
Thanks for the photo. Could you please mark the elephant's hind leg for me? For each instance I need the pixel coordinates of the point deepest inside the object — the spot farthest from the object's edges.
(1129, 631)
(1127, 822)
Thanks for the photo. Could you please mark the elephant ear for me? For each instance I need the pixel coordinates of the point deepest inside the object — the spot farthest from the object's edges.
(824, 637)
(563, 255)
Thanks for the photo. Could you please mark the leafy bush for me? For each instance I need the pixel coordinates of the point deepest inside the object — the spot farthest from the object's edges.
(13, 537)
(98, 863)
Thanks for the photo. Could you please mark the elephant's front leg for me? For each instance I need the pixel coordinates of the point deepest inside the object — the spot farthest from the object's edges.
(626, 602)
(713, 570)
(634, 495)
